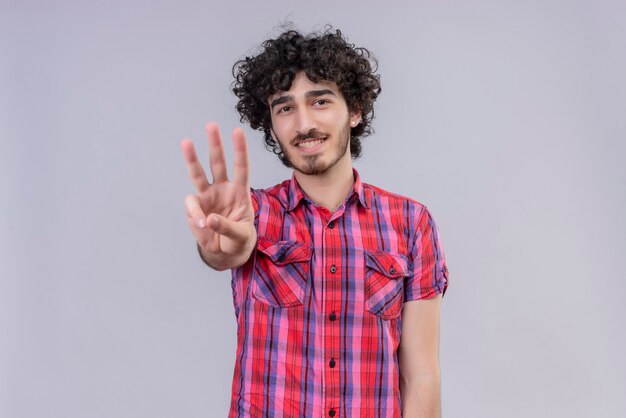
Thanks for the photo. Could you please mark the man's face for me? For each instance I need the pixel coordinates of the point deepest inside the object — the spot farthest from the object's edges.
(311, 122)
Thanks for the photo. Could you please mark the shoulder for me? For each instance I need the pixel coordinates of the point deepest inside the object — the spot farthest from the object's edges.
(276, 194)
(379, 196)
(273, 192)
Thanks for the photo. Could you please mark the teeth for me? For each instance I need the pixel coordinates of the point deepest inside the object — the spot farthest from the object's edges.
(310, 144)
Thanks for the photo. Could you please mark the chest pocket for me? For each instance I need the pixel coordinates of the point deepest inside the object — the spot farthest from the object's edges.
(384, 283)
(281, 272)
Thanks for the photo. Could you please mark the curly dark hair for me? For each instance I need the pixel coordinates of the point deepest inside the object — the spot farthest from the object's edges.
(325, 56)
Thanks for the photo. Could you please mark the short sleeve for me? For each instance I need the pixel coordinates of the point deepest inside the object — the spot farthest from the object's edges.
(429, 275)
(256, 205)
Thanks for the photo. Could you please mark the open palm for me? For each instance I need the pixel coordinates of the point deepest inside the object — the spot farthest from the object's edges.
(220, 214)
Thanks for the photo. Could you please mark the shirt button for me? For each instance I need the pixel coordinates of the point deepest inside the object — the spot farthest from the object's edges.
(331, 413)
(332, 316)
(332, 363)
(392, 271)
(331, 224)
(333, 269)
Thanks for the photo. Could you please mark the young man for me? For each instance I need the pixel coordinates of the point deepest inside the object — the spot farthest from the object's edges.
(337, 284)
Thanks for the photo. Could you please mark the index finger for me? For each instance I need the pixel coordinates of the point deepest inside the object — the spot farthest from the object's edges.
(241, 164)
(196, 172)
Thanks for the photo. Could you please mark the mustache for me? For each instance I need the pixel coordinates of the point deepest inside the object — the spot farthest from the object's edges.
(313, 133)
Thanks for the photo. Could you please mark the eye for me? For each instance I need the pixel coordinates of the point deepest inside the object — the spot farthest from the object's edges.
(321, 102)
(284, 109)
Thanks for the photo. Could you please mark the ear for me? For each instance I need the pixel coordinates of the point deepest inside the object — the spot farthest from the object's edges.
(355, 117)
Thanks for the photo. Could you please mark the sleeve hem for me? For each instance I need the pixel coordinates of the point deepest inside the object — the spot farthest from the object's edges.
(429, 293)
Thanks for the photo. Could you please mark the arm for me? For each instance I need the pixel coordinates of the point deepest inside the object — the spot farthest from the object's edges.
(420, 382)
(220, 214)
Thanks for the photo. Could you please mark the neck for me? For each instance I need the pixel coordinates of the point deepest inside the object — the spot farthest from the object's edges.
(331, 188)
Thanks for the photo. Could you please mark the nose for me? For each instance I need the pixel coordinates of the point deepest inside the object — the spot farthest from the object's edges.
(305, 121)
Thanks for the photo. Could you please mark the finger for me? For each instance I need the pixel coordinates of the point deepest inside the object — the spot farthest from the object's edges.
(241, 163)
(236, 231)
(196, 172)
(194, 211)
(213, 241)
(216, 153)
(206, 237)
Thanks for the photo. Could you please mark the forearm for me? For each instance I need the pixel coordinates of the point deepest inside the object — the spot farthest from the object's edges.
(420, 375)
(421, 396)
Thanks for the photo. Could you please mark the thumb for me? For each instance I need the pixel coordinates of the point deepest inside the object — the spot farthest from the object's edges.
(236, 231)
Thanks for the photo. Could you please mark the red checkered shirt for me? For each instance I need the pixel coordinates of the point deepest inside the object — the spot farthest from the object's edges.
(319, 302)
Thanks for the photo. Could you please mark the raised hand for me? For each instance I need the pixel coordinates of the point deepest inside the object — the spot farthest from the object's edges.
(220, 214)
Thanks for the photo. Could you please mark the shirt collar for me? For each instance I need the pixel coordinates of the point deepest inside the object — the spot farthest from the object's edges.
(295, 194)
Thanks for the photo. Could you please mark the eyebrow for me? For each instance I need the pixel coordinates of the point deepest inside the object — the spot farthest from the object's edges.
(308, 95)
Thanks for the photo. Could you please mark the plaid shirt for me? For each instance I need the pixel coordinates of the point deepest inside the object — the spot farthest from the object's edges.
(319, 302)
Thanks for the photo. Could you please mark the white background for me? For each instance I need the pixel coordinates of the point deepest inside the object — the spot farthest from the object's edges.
(505, 118)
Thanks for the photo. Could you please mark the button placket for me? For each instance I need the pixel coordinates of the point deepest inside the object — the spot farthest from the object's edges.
(332, 301)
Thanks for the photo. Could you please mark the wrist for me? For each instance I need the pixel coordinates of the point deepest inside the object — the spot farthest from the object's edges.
(222, 261)
(219, 264)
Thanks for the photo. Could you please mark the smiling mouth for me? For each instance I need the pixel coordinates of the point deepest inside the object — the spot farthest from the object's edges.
(310, 143)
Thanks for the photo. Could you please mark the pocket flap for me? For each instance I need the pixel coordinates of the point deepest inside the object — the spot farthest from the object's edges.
(392, 265)
(284, 252)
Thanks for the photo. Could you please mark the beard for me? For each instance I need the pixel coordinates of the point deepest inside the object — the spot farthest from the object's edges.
(314, 165)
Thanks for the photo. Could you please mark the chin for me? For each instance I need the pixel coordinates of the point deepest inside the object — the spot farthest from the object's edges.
(312, 169)
(319, 163)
